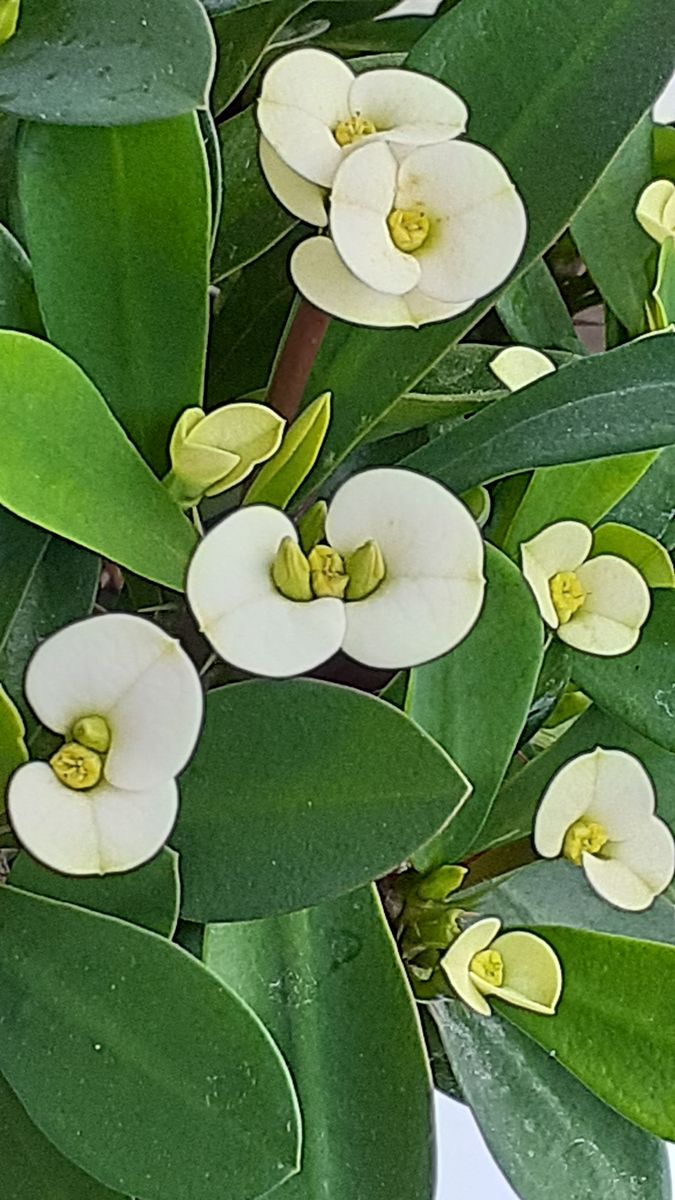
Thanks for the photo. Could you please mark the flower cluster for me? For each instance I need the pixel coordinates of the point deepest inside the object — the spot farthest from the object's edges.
(421, 224)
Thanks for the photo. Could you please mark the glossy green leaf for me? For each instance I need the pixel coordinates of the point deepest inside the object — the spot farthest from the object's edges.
(486, 684)
(329, 986)
(396, 36)
(638, 548)
(18, 302)
(12, 745)
(535, 314)
(118, 229)
(243, 36)
(663, 141)
(135, 1061)
(535, 101)
(280, 478)
(148, 896)
(613, 1028)
(649, 505)
(551, 1137)
(81, 464)
(72, 62)
(341, 789)
(252, 219)
(639, 687)
(615, 403)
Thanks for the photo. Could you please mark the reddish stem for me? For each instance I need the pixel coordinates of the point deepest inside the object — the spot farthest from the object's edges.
(296, 360)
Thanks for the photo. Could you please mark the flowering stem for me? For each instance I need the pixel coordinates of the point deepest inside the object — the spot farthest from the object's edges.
(295, 361)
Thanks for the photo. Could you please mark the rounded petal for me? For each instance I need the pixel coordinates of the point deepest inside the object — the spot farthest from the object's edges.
(304, 199)
(321, 276)
(478, 220)
(129, 671)
(651, 208)
(518, 366)
(408, 107)
(568, 796)
(622, 799)
(305, 94)
(617, 883)
(89, 833)
(247, 621)
(433, 590)
(649, 853)
(615, 609)
(455, 962)
(532, 972)
(560, 547)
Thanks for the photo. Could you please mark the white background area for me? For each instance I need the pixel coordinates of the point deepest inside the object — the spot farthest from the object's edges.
(465, 1168)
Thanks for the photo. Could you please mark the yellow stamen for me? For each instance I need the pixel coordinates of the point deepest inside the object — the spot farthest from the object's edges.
(92, 732)
(290, 571)
(77, 766)
(366, 570)
(349, 131)
(488, 965)
(567, 595)
(583, 836)
(328, 574)
(409, 228)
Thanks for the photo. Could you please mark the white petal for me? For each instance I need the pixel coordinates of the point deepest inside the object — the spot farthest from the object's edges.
(304, 95)
(89, 833)
(649, 854)
(433, 591)
(615, 609)
(623, 799)
(407, 106)
(248, 622)
(560, 547)
(455, 963)
(518, 366)
(616, 883)
(568, 796)
(651, 208)
(479, 223)
(129, 671)
(532, 971)
(361, 200)
(321, 276)
(304, 199)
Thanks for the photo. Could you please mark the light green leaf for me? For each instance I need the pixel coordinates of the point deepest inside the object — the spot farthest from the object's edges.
(664, 289)
(614, 403)
(535, 314)
(280, 478)
(118, 229)
(135, 1062)
(485, 684)
(649, 506)
(357, 787)
(329, 986)
(12, 745)
(18, 302)
(148, 896)
(551, 1137)
(537, 120)
(613, 1027)
(638, 548)
(72, 62)
(81, 463)
(243, 36)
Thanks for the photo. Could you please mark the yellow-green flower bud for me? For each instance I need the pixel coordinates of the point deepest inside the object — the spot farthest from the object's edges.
(76, 766)
(366, 570)
(92, 732)
(290, 571)
(211, 452)
(441, 883)
(329, 577)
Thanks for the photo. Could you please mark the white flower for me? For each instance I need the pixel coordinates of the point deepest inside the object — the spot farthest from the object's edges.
(656, 210)
(597, 605)
(399, 582)
(128, 702)
(598, 811)
(518, 366)
(415, 240)
(518, 967)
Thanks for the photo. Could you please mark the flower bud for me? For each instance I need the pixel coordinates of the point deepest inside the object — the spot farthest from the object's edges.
(366, 571)
(290, 571)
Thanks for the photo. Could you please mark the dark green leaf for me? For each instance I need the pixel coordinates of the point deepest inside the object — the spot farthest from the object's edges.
(354, 1049)
(341, 788)
(135, 1062)
(72, 62)
(118, 229)
(242, 37)
(535, 313)
(18, 302)
(396, 36)
(649, 505)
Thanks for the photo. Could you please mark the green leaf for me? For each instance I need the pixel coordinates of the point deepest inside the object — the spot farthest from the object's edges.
(649, 505)
(485, 684)
(618, 253)
(341, 789)
(118, 229)
(614, 403)
(252, 219)
(18, 302)
(396, 36)
(538, 120)
(13, 750)
(280, 478)
(664, 288)
(45, 584)
(638, 687)
(135, 1061)
(638, 548)
(328, 984)
(148, 896)
(76, 63)
(81, 463)
(663, 140)
(535, 314)
(243, 36)
(551, 1137)
(613, 1028)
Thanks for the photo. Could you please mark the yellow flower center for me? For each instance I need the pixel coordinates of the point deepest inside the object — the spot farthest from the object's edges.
(488, 965)
(567, 595)
(327, 572)
(92, 732)
(349, 131)
(409, 228)
(583, 836)
(77, 766)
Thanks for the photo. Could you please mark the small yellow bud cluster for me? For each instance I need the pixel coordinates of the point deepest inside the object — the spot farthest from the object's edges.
(325, 572)
(583, 837)
(488, 965)
(409, 228)
(567, 595)
(79, 762)
(349, 131)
